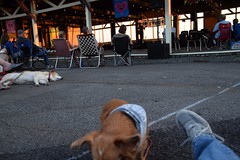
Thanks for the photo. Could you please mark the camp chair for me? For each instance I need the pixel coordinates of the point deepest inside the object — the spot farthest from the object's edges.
(88, 51)
(122, 50)
(194, 37)
(183, 38)
(63, 52)
(26, 51)
(225, 35)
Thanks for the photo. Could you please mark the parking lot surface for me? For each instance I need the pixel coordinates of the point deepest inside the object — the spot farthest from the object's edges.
(41, 122)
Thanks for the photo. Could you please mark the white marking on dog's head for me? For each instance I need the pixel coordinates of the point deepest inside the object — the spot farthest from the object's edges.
(100, 151)
(54, 76)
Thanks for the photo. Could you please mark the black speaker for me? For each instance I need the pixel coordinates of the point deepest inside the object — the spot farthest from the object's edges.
(158, 51)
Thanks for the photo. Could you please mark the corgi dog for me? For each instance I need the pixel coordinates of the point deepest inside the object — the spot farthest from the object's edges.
(25, 77)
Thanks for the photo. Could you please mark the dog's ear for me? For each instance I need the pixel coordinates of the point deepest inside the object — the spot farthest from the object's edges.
(89, 138)
(109, 106)
(128, 142)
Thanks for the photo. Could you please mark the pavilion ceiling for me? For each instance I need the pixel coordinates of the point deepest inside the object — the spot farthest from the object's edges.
(71, 12)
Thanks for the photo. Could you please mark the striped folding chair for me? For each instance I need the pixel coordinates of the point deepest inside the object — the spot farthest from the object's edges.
(89, 52)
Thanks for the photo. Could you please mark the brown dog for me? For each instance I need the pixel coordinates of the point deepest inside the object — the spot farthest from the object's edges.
(121, 137)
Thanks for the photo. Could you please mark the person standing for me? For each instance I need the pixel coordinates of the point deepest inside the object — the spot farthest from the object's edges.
(140, 33)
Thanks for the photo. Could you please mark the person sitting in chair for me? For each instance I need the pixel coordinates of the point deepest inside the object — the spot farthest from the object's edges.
(216, 27)
(33, 49)
(121, 34)
(12, 50)
(85, 31)
(76, 53)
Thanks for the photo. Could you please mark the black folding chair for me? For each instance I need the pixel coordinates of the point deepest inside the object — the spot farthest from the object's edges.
(29, 57)
(194, 37)
(122, 50)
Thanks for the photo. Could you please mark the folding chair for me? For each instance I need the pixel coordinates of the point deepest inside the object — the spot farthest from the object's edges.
(26, 51)
(122, 50)
(88, 51)
(26, 48)
(225, 35)
(194, 36)
(63, 52)
(17, 56)
(184, 38)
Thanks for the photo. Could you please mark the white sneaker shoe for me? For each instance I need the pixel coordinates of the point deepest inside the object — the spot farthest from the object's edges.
(193, 125)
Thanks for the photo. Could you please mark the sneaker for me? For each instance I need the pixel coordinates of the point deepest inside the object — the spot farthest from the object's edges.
(193, 125)
(49, 67)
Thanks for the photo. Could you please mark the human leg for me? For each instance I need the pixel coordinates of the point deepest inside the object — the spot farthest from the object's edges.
(205, 143)
(45, 57)
(8, 67)
(43, 54)
(207, 147)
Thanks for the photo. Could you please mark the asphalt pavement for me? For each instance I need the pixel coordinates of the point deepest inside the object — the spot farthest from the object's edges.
(41, 122)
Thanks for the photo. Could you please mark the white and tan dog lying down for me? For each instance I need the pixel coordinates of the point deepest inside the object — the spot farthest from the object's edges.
(26, 77)
(123, 135)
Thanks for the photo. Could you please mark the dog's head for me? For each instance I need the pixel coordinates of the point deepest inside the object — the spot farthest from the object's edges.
(110, 147)
(54, 76)
(118, 139)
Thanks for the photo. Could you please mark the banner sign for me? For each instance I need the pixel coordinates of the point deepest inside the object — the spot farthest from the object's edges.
(10, 26)
(120, 8)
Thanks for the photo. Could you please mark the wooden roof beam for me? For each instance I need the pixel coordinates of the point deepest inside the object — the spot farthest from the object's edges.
(26, 10)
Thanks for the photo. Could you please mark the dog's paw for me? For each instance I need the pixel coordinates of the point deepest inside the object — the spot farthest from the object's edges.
(37, 85)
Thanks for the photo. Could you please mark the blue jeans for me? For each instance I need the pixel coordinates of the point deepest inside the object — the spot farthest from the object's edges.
(43, 54)
(207, 147)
